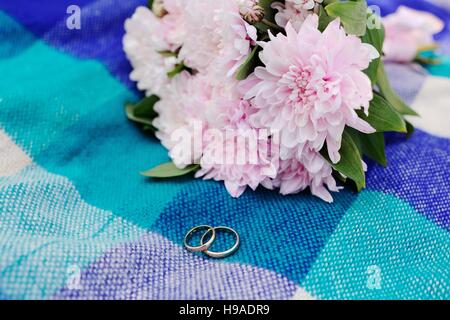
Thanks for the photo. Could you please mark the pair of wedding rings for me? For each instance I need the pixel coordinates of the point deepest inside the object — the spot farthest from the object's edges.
(205, 243)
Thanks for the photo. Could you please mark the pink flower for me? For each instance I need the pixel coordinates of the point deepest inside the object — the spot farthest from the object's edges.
(172, 114)
(144, 47)
(310, 87)
(181, 117)
(304, 4)
(206, 123)
(289, 12)
(218, 40)
(407, 30)
(174, 21)
(233, 151)
(314, 172)
(239, 162)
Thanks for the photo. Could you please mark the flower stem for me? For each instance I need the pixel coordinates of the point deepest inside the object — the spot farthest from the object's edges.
(271, 25)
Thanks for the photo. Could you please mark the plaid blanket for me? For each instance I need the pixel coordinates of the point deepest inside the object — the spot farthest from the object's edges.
(77, 221)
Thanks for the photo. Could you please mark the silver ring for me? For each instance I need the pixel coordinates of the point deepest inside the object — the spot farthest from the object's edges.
(204, 246)
(226, 253)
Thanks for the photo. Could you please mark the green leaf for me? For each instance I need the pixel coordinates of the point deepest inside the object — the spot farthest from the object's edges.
(142, 112)
(263, 28)
(339, 176)
(374, 37)
(382, 116)
(373, 146)
(350, 164)
(168, 53)
(269, 13)
(324, 19)
(371, 71)
(148, 127)
(353, 15)
(150, 4)
(178, 68)
(409, 129)
(389, 93)
(169, 170)
(248, 66)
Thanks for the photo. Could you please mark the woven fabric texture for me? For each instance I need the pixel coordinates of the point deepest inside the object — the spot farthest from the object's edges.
(77, 221)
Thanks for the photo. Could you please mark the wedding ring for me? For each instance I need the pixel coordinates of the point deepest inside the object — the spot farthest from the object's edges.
(221, 254)
(203, 246)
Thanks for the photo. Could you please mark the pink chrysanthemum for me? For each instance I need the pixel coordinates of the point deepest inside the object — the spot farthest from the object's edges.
(313, 172)
(310, 87)
(233, 151)
(305, 4)
(238, 162)
(146, 48)
(182, 117)
(174, 21)
(288, 12)
(172, 114)
(199, 122)
(218, 40)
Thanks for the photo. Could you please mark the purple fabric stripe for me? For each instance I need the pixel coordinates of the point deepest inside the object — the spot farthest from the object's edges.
(406, 79)
(39, 16)
(417, 172)
(100, 36)
(156, 268)
(420, 179)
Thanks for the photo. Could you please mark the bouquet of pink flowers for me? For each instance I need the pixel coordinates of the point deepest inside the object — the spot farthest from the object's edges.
(284, 94)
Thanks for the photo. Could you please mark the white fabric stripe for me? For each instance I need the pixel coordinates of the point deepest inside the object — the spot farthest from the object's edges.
(12, 157)
(433, 105)
(302, 294)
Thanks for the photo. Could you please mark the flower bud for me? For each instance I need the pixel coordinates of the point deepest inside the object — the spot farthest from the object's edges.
(158, 8)
(251, 11)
